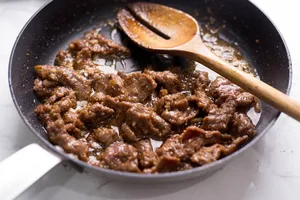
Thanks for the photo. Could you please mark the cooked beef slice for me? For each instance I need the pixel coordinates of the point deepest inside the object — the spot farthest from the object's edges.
(64, 58)
(50, 116)
(44, 88)
(223, 90)
(94, 114)
(66, 77)
(98, 44)
(143, 121)
(212, 153)
(242, 125)
(147, 157)
(176, 109)
(120, 156)
(138, 85)
(168, 80)
(109, 84)
(104, 136)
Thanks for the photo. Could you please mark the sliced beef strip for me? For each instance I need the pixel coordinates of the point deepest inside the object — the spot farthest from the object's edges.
(176, 109)
(83, 59)
(63, 97)
(195, 80)
(67, 77)
(212, 153)
(93, 115)
(98, 44)
(172, 147)
(195, 138)
(138, 87)
(223, 90)
(168, 80)
(44, 88)
(147, 157)
(219, 118)
(143, 121)
(74, 125)
(109, 84)
(104, 136)
(242, 125)
(120, 156)
(57, 133)
(64, 58)
(201, 99)
(127, 134)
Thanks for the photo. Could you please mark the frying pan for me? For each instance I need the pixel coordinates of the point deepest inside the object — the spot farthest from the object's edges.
(60, 21)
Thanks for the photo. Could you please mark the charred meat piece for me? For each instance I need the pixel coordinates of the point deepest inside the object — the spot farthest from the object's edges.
(120, 156)
(66, 77)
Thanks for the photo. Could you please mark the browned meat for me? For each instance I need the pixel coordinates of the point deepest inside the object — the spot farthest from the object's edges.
(218, 119)
(120, 156)
(98, 44)
(57, 133)
(104, 136)
(83, 59)
(127, 134)
(108, 120)
(67, 77)
(194, 81)
(94, 114)
(64, 58)
(63, 97)
(147, 158)
(172, 147)
(212, 153)
(207, 155)
(223, 90)
(139, 87)
(176, 109)
(241, 125)
(110, 84)
(74, 126)
(44, 88)
(168, 80)
(143, 121)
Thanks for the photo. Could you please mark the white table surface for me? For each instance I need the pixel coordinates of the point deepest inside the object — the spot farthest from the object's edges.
(269, 170)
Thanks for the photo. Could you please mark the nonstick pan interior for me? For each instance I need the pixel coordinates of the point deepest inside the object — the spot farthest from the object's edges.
(59, 22)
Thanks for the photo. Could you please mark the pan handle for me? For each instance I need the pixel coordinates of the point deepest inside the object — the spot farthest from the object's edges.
(23, 168)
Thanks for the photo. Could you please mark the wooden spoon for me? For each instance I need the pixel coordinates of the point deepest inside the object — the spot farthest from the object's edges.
(166, 30)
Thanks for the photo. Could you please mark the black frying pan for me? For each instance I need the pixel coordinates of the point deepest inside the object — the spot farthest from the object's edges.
(60, 21)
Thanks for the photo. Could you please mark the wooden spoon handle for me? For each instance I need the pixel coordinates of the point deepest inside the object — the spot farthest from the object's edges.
(196, 50)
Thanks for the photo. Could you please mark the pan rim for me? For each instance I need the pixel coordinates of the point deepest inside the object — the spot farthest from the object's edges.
(81, 164)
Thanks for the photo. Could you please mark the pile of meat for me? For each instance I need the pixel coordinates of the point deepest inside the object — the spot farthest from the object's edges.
(110, 120)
